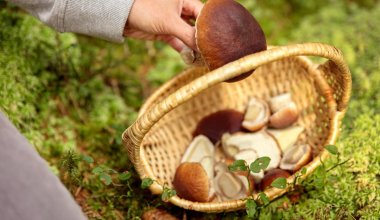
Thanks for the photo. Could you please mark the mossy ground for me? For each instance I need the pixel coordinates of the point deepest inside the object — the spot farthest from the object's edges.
(67, 92)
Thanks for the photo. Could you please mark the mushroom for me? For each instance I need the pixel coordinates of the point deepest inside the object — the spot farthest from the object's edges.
(249, 155)
(202, 151)
(191, 57)
(284, 117)
(229, 149)
(229, 185)
(191, 182)
(225, 32)
(240, 187)
(216, 124)
(284, 111)
(199, 148)
(271, 175)
(158, 214)
(278, 102)
(261, 142)
(286, 137)
(256, 115)
(207, 163)
(296, 157)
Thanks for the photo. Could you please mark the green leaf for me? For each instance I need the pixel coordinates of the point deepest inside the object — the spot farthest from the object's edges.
(303, 171)
(264, 198)
(88, 159)
(167, 194)
(146, 182)
(97, 170)
(105, 178)
(259, 164)
(332, 149)
(238, 165)
(251, 208)
(125, 176)
(279, 183)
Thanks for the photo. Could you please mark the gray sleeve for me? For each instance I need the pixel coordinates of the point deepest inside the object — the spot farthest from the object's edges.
(98, 18)
(28, 189)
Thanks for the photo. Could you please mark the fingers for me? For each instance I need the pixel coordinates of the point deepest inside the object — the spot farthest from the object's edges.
(175, 43)
(185, 32)
(192, 7)
(182, 29)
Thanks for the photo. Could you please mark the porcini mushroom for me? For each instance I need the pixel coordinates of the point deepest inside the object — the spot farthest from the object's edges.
(229, 185)
(207, 163)
(199, 148)
(296, 157)
(158, 214)
(271, 175)
(249, 155)
(216, 124)
(202, 151)
(286, 137)
(278, 102)
(284, 111)
(249, 185)
(261, 142)
(256, 115)
(225, 32)
(284, 117)
(191, 182)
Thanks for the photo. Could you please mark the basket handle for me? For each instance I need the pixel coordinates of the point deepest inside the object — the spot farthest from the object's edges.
(134, 135)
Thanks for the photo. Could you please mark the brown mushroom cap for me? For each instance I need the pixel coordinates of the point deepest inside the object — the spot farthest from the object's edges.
(191, 182)
(271, 175)
(226, 31)
(216, 124)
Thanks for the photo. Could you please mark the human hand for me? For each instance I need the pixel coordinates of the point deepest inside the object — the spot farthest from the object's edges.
(165, 20)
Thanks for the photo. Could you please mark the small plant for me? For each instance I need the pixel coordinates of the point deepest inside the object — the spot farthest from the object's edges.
(167, 192)
(253, 206)
(69, 165)
(105, 173)
(255, 167)
(260, 164)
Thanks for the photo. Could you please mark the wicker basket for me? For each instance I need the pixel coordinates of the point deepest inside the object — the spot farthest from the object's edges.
(163, 130)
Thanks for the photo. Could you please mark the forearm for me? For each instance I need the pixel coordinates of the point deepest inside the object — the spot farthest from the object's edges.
(98, 18)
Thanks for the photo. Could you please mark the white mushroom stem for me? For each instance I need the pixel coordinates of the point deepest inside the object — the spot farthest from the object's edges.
(191, 57)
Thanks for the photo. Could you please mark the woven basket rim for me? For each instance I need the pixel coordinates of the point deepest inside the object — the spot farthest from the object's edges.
(134, 135)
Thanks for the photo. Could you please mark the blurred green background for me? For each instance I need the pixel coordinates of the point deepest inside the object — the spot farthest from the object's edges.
(72, 96)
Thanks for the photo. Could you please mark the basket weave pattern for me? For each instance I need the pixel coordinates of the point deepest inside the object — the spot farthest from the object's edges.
(158, 139)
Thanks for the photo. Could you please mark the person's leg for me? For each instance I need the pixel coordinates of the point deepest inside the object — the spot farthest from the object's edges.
(28, 190)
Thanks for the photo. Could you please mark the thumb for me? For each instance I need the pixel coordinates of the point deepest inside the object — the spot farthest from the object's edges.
(185, 32)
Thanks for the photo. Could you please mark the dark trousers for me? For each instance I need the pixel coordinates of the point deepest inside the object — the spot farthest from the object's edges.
(28, 189)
